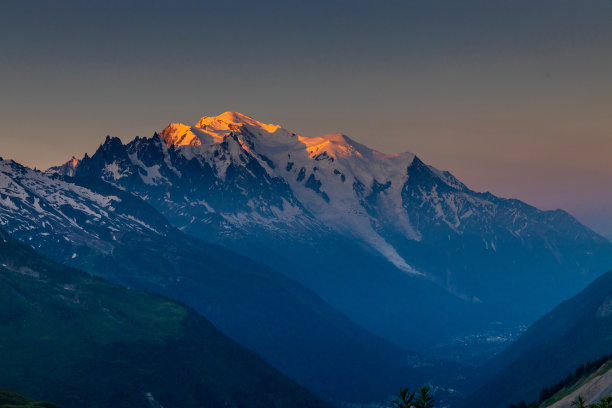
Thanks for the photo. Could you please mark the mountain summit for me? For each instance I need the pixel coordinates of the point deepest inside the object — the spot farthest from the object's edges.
(360, 227)
(315, 168)
(67, 169)
(213, 129)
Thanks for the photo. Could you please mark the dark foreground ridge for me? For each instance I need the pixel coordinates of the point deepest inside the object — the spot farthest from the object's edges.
(78, 341)
(11, 399)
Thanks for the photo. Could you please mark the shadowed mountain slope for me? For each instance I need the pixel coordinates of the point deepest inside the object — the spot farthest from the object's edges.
(578, 330)
(81, 341)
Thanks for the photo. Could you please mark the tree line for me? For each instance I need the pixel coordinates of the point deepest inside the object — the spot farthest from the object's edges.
(572, 378)
(423, 399)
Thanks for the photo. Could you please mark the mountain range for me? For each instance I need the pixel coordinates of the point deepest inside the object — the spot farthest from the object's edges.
(373, 234)
(351, 271)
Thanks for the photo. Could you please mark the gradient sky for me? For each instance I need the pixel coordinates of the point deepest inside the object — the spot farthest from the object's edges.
(513, 97)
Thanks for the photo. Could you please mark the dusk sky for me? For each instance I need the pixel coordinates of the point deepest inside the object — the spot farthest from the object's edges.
(513, 97)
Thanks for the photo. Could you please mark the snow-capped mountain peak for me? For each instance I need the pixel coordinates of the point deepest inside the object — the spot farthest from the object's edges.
(225, 121)
(214, 129)
(73, 162)
(178, 134)
(252, 173)
(272, 139)
(234, 177)
(66, 169)
(334, 145)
